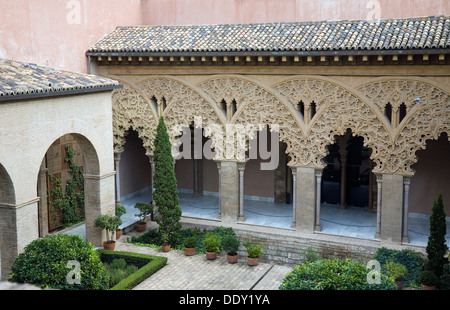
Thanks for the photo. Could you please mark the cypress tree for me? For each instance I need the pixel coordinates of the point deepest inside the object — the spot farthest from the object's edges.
(436, 246)
(165, 192)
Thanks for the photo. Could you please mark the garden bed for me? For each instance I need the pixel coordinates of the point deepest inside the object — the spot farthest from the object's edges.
(146, 264)
(153, 238)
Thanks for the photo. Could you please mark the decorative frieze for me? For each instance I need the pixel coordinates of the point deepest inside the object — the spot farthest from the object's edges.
(419, 111)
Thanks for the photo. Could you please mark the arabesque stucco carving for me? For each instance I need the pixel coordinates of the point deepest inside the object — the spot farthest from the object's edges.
(338, 106)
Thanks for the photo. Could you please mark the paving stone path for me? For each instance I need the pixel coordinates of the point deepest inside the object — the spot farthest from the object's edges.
(197, 273)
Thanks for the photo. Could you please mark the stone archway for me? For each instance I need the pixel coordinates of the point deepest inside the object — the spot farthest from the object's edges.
(333, 108)
(425, 116)
(7, 222)
(95, 202)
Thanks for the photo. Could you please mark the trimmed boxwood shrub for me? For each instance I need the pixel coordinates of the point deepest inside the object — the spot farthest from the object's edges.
(333, 274)
(147, 265)
(44, 263)
(413, 261)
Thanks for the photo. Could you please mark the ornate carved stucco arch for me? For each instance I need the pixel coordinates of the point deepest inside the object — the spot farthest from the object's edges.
(424, 120)
(131, 109)
(185, 105)
(256, 104)
(338, 108)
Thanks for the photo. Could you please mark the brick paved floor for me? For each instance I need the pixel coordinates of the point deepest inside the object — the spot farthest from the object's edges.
(197, 273)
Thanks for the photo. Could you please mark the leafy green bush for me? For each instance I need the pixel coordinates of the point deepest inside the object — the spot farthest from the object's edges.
(427, 277)
(395, 271)
(254, 250)
(333, 274)
(190, 242)
(44, 263)
(413, 261)
(230, 244)
(212, 242)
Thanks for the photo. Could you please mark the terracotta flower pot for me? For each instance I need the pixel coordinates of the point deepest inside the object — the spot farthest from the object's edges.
(118, 233)
(252, 261)
(109, 244)
(211, 255)
(399, 284)
(165, 248)
(140, 226)
(189, 251)
(232, 259)
(427, 287)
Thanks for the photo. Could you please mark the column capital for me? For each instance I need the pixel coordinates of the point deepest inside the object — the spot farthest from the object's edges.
(117, 156)
(241, 165)
(406, 180)
(379, 178)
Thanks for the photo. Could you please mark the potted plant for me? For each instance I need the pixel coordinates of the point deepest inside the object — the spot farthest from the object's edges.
(165, 242)
(212, 243)
(254, 252)
(120, 210)
(396, 272)
(189, 245)
(109, 224)
(428, 280)
(145, 209)
(230, 244)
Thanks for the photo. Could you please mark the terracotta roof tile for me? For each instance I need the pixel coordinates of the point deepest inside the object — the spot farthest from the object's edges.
(25, 79)
(385, 34)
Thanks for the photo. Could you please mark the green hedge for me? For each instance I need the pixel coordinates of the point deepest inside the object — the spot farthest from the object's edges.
(333, 274)
(147, 265)
(44, 263)
(413, 261)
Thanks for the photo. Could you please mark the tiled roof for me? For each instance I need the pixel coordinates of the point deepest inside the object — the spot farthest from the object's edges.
(25, 80)
(346, 35)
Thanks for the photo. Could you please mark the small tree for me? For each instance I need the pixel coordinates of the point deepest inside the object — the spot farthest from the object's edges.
(145, 210)
(436, 246)
(109, 224)
(165, 194)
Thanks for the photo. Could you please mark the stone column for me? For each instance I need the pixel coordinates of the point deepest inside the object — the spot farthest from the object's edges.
(294, 196)
(318, 226)
(241, 167)
(43, 200)
(152, 164)
(305, 202)
(406, 183)
(98, 200)
(220, 196)
(18, 227)
(342, 142)
(379, 185)
(391, 217)
(117, 157)
(229, 191)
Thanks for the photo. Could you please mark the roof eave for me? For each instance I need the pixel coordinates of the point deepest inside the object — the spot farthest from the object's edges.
(279, 53)
(40, 95)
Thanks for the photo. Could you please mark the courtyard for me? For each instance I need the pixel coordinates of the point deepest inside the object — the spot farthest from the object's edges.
(352, 222)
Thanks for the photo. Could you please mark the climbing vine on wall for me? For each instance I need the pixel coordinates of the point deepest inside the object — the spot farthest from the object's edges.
(71, 201)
